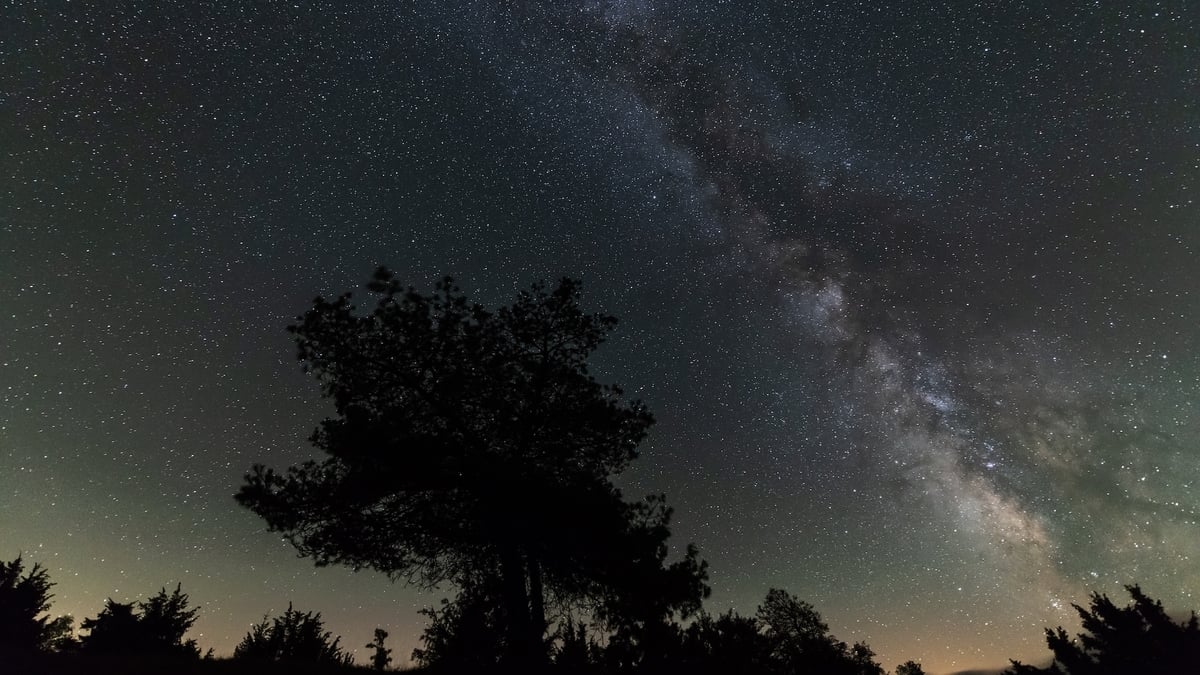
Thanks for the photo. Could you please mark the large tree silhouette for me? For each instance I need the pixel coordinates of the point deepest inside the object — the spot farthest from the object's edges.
(469, 443)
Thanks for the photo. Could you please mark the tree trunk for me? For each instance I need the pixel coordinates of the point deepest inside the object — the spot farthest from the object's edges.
(537, 612)
(516, 609)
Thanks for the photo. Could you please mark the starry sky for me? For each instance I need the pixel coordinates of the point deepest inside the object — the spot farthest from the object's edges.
(910, 286)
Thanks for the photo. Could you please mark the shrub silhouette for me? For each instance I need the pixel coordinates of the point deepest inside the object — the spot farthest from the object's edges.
(294, 637)
(464, 635)
(381, 656)
(165, 619)
(154, 626)
(115, 629)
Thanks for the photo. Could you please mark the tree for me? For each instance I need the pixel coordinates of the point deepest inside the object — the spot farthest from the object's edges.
(24, 601)
(294, 637)
(800, 640)
(115, 629)
(467, 443)
(59, 635)
(641, 595)
(381, 656)
(727, 645)
(465, 635)
(165, 619)
(154, 626)
(1139, 637)
(576, 652)
(862, 660)
(910, 668)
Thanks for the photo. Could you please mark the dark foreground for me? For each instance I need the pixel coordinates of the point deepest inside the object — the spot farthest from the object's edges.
(118, 664)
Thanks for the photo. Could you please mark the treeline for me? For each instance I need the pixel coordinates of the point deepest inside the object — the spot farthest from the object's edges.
(785, 636)
(152, 634)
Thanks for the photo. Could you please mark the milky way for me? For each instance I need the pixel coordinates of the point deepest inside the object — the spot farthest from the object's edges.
(911, 289)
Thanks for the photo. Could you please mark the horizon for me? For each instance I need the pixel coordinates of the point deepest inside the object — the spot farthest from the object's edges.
(402, 649)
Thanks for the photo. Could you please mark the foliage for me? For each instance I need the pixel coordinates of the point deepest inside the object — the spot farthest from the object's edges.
(294, 637)
(470, 443)
(910, 668)
(59, 635)
(465, 634)
(576, 652)
(862, 660)
(155, 626)
(24, 601)
(115, 629)
(381, 656)
(786, 635)
(1139, 637)
(799, 637)
(729, 644)
(167, 618)
(640, 595)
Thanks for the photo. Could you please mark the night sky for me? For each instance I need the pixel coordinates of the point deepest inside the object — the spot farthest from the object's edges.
(913, 290)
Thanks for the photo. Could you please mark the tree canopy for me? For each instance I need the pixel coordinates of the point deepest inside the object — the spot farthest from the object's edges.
(469, 443)
(153, 626)
(1138, 638)
(24, 601)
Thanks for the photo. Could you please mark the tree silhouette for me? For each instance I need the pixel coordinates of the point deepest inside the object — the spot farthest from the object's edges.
(59, 635)
(470, 443)
(165, 619)
(576, 652)
(155, 626)
(115, 629)
(800, 640)
(1139, 637)
(465, 635)
(910, 668)
(862, 660)
(24, 601)
(644, 594)
(381, 656)
(730, 644)
(294, 637)
(785, 636)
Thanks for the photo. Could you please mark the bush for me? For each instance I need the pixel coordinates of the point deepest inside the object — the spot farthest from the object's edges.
(296, 636)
